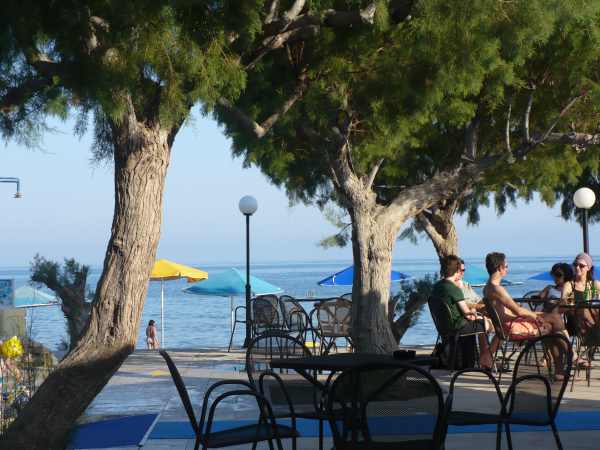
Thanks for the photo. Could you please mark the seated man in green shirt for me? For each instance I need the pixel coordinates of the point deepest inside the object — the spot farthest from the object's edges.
(462, 317)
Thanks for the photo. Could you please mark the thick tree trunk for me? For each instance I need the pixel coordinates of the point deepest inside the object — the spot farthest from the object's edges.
(372, 245)
(439, 226)
(141, 157)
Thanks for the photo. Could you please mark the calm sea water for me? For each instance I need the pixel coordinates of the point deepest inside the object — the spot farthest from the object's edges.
(193, 321)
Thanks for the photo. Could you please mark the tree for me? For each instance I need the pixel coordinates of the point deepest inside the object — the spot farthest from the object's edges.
(70, 285)
(397, 119)
(135, 68)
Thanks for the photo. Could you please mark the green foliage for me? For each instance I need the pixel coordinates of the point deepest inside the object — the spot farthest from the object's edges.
(412, 87)
(407, 305)
(164, 55)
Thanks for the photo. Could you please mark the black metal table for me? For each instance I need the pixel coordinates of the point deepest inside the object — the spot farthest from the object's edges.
(343, 361)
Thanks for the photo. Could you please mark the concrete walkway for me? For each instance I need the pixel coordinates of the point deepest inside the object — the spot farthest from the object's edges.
(143, 386)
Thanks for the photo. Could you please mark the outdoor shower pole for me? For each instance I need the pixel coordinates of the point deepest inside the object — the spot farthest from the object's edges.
(13, 180)
(248, 206)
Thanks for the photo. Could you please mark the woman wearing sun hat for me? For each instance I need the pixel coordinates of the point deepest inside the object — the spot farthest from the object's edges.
(585, 288)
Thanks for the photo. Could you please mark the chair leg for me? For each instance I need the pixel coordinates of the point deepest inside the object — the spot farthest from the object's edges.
(231, 337)
(454, 353)
(499, 437)
(508, 436)
(197, 446)
(556, 436)
(321, 432)
(504, 350)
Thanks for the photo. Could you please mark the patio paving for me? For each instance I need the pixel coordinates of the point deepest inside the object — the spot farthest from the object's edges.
(143, 386)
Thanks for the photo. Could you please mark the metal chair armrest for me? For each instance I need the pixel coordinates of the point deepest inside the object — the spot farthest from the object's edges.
(486, 372)
(261, 387)
(246, 384)
(523, 379)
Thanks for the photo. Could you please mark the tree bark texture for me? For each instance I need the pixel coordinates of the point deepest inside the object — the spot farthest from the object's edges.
(372, 246)
(141, 157)
(438, 224)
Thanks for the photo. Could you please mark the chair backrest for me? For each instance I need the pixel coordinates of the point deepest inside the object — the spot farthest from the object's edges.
(183, 394)
(532, 294)
(347, 296)
(546, 356)
(440, 314)
(495, 318)
(294, 315)
(386, 403)
(334, 317)
(266, 313)
(268, 345)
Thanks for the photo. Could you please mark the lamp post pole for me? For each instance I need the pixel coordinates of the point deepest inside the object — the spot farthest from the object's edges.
(248, 206)
(14, 180)
(584, 198)
(248, 293)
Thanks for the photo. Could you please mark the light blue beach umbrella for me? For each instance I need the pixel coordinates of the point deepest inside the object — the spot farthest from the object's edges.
(345, 277)
(231, 283)
(28, 297)
(477, 276)
(546, 276)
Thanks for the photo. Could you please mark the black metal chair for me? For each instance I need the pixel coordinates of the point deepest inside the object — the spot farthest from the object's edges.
(373, 403)
(540, 378)
(440, 314)
(265, 429)
(291, 395)
(586, 340)
(267, 314)
(332, 320)
(505, 339)
(236, 320)
(297, 321)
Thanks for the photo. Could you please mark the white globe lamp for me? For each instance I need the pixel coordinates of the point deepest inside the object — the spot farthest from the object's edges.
(584, 198)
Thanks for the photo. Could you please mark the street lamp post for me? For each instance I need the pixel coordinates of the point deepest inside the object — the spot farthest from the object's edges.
(584, 198)
(15, 181)
(248, 206)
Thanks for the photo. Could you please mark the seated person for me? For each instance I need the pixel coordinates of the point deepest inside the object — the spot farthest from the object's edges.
(562, 289)
(471, 297)
(585, 288)
(517, 322)
(463, 318)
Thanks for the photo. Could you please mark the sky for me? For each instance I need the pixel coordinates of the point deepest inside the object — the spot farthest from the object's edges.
(67, 208)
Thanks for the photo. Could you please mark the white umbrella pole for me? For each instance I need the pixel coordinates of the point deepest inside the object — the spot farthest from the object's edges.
(231, 314)
(162, 314)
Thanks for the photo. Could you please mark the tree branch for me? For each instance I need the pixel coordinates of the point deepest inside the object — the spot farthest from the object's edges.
(260, 130)
(273, 11)
(374, 170)
(294, 27)
(507, 131)
(294, 10)
(527, 114)
(18, 95)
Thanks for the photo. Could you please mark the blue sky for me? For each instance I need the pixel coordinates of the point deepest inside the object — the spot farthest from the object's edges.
(67, 210)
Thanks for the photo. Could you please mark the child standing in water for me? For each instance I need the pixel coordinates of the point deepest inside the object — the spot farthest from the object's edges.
(151, 339)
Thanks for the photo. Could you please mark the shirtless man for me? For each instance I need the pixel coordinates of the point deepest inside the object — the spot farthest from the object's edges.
(516, 320)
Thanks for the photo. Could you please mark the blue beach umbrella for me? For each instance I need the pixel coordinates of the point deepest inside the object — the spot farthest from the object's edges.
(345, 277)
(546, 276)
(477, 276)
(28, 297)
(231, 283)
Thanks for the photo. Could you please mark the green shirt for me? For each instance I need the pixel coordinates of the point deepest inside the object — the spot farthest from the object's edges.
(451, 294)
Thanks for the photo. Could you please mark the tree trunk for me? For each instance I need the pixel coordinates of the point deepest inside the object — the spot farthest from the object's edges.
(372, 245)
(439, 226)
(141, 159)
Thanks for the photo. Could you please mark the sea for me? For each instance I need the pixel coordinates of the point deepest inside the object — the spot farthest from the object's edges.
(201, 321)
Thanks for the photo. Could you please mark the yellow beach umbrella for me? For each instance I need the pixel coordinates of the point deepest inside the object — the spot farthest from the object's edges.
(165, 270)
